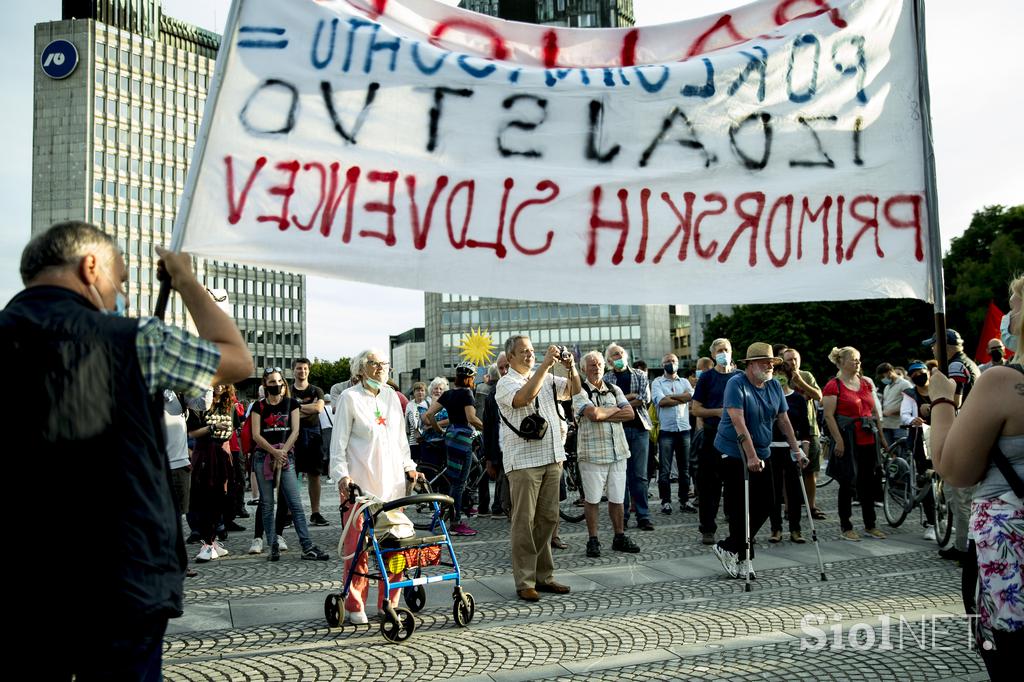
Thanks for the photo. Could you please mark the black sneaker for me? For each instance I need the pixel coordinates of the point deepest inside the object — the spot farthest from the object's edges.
(252, 503)
(233, 527)
(314, 553)
(623, 543)
(318, 520)
(645, 524)
(275, 552)
(242, 513)
(193, 538)
(593, 548)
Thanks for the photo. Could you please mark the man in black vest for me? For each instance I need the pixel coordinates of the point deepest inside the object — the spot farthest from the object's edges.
(92, 384)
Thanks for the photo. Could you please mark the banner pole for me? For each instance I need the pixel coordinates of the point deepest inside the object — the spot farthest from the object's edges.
(185, 204)
(931, 189)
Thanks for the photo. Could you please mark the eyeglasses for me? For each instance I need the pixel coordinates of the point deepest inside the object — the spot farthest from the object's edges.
(378, 363)
(270, 370)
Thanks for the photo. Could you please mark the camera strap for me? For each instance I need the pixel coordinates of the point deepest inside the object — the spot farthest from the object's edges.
(536, 407)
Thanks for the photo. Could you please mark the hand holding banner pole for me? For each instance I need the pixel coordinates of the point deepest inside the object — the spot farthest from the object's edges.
(185, 205)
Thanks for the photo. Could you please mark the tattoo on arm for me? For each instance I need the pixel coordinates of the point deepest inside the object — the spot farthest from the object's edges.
(1019, 388)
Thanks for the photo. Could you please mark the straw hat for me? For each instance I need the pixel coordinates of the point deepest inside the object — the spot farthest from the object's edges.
(761, 351)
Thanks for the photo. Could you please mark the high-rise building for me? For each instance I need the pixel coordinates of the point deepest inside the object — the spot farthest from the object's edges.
(700, 316)
(119, 92)
(408, 357)
(573, 13)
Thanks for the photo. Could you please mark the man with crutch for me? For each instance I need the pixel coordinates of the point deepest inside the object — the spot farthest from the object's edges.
(753, 402)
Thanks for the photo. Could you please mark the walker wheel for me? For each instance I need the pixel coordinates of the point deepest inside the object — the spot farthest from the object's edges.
(332, 610)
(415, 597)
(463, 610)
(398, 627)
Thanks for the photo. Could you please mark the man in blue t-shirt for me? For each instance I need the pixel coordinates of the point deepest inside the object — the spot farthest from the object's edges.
(752, 403)
(707, 406)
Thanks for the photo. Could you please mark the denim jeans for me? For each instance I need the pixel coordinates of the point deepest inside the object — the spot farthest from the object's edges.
(458, 481)
(674, 445)
(290, 492)
(636, 472)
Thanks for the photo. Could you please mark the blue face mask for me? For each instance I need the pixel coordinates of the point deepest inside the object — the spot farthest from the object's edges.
(372, 383)
(120, 303)
(1009, 339)
(886, 381)
(723, 358)
(619, 364)
(698, 373)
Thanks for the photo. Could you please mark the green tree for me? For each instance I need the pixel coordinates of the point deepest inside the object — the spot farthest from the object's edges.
(882, 330)
(980, 265)
(324, 373)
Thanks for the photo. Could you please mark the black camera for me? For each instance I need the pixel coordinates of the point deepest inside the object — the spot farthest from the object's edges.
(564, 353)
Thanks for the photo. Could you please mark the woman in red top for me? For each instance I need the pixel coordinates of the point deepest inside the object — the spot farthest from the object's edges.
(854, 423)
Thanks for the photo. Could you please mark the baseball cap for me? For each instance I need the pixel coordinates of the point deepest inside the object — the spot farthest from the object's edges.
(953, 338)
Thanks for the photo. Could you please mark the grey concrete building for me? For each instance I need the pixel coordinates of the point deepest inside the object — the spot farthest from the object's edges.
(408, 352)
(643, 330)
(700, 315)
(573, 13)
(112, 140)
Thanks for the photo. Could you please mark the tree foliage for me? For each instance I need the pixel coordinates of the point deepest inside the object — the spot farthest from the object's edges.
(324, 373)
(977, 269)
(980, 265)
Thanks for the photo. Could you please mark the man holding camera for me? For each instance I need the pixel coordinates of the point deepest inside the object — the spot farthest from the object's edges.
(533, 449)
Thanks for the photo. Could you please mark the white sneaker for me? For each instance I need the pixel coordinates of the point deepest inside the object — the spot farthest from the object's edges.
(929, 533)
(743, 567)
(356, 617)
(220, 549)
(257, 546)
(727, 558)
(207, 553)
(281, 544)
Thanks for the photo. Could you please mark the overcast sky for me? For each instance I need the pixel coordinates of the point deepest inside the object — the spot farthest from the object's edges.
(977, 102)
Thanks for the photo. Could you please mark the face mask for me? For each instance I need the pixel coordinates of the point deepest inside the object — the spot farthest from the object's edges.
(120, 301)
(372, 383)
(670, 367)
(921, 379)
(619, 364)
(886, 381)
(723, 359)
(698, 373)
(997, 355)
(273, 390)
(1009, 340)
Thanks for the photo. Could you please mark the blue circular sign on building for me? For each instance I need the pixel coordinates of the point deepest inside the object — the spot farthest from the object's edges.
(59, 59)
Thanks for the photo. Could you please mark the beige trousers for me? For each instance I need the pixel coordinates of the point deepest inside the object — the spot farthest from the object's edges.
(534, 494)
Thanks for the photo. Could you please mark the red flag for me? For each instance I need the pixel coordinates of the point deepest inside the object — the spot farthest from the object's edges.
(989, 331)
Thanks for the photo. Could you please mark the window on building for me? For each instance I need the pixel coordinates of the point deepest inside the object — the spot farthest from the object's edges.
(111, 190)
(97, 187)
(100, 103)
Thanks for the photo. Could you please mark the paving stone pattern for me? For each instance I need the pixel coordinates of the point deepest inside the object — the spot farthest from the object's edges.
(667, 613)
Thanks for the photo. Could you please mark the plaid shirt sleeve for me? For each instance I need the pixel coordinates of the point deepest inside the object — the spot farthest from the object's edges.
(171, 357)
(642, 387)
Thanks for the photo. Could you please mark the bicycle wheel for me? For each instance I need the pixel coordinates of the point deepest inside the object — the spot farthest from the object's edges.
(943, 513)
(571, 508)
(897, 493)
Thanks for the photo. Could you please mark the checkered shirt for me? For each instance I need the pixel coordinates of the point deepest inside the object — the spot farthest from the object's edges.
(519, 453)
(600, 442)
(171, 357)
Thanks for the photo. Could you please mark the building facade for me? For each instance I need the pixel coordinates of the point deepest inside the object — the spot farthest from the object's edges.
(700, 316)
(572, 13)
(112, 140)
(643, 330)
(408, 352)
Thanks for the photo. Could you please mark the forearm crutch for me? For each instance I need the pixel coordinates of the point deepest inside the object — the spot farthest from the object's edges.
(810, 520)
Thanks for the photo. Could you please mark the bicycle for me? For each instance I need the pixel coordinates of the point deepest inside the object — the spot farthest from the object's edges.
(571, 508)
(434, 467)
(904, 488)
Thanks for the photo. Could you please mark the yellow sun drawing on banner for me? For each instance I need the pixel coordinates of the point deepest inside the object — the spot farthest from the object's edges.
(476, 347)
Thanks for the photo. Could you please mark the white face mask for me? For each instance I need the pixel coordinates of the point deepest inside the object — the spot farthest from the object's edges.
(724, 358)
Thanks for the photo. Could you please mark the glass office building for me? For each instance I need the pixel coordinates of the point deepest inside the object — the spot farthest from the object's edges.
(112, 141)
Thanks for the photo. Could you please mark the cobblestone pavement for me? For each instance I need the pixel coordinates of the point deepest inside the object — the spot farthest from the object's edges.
(888, 611)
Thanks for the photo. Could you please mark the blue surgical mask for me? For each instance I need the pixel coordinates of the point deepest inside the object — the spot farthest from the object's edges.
(120, 303)
(886, 381)
(619, 364)
(372, 383)
(1009, 339)
(698, 373)
(723, 359)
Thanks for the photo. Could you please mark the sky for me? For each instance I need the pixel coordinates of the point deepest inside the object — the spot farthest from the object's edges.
(973, 55)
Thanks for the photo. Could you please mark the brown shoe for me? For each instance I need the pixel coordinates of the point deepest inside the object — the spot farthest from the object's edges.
(797, 537)
(528, 594)
(556, 588)
(776, 536)
(557, 543)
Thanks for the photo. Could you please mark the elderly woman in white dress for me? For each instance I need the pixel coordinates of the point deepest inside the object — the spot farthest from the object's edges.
(369, 447)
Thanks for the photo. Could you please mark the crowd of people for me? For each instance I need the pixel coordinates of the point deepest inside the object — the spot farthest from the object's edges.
(743, 433)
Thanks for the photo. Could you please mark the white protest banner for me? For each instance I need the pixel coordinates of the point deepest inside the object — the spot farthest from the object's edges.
(769, 154)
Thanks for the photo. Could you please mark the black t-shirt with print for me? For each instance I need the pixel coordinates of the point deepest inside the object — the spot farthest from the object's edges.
(455, 401)
(275, 420)
(308, 395)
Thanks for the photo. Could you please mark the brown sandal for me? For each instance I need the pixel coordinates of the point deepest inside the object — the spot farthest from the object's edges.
(557, 543)
(817, 514)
